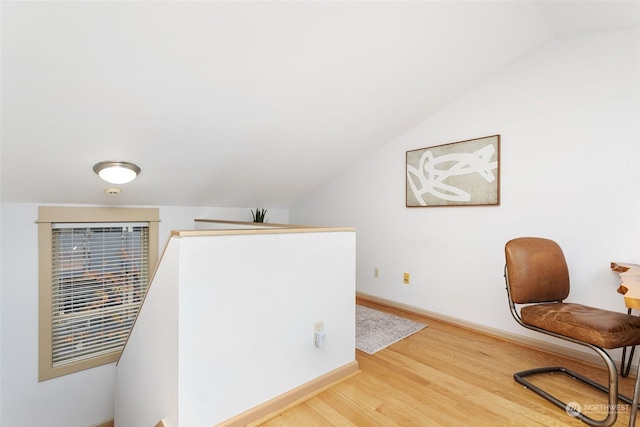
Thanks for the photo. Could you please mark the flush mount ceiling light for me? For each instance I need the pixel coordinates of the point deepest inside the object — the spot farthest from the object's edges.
(116, 172)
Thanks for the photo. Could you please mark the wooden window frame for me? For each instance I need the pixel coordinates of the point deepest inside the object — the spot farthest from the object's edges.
(47, 216)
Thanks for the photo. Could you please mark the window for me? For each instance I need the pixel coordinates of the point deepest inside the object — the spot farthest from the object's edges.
(95, 266)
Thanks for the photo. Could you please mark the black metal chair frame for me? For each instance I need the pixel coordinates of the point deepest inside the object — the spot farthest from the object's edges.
(611, 391)
(625, 363)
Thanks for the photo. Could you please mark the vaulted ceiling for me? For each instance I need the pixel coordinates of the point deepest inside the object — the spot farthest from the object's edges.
(242, 104)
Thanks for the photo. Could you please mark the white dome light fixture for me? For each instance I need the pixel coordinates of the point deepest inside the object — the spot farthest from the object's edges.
(116, 172)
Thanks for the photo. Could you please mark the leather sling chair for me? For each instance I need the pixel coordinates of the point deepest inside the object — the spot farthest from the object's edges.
(537, 278)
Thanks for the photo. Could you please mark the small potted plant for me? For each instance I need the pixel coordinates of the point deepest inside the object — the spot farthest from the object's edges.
(259, 215)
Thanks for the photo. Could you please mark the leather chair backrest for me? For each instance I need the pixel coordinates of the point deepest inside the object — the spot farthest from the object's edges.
(536, 270)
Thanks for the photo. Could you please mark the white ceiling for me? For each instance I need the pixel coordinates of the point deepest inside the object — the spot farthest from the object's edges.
(243, 104)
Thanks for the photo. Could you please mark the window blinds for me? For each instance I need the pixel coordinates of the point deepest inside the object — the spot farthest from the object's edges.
(99, 276)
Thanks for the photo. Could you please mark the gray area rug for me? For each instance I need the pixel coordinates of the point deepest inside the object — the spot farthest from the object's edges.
(376, 330)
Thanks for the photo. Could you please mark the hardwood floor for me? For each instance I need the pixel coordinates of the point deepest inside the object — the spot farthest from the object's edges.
(446, 375)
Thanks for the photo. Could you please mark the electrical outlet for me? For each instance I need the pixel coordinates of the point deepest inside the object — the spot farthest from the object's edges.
(406, 278)
(318, 334)
(376, 272)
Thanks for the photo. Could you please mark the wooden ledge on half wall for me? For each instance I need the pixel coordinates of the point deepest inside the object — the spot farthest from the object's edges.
(239, 227)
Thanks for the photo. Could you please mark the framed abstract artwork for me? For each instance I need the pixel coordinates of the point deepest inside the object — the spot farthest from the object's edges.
(465, 173)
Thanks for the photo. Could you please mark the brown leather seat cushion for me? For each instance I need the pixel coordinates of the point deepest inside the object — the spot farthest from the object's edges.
(603, 328)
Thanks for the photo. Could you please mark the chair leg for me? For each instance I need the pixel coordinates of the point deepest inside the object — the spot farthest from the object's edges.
(611, 391)
(574, 412)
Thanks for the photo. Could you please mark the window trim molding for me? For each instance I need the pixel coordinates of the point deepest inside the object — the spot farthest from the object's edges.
(47, 215)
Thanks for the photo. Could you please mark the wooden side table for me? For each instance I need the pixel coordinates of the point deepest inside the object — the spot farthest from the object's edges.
(630, 288)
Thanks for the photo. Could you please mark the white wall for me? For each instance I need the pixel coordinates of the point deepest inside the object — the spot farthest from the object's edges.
(1, 251)
(228, 325)
(147, 372)
(569, 117)
(78, 400)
